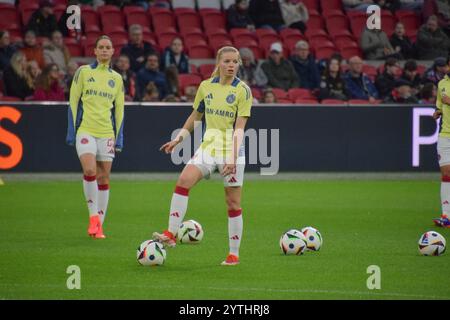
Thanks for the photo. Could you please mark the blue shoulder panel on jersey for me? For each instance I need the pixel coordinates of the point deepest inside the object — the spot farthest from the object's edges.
(235, 82)
(201, 106)
(94, 65)
(215, 80)
(71, 130)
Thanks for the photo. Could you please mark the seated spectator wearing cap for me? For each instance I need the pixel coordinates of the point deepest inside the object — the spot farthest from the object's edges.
(295, 14)
(15, 77)
(332, 85)
(266, 14)
(305, 66)
(250, 71)
(137, 49)
(238, 16)
(6, 50)
(56, 52)
(410, 74)
(402, 93)
(437, 71)
(174, 56)
(48, 87)
(401, 43)
(375, 45)
(359, 5)
(432, 42)
(358, 84)
(385, 82)
(440, 9)
(279, 71)
(151, 73)
(428, 94)
(32, 50)
(43, 21)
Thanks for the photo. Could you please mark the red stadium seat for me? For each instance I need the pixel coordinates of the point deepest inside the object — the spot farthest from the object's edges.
(165, 30)
(75, 49)
(335, 22)
(108, 15)
(410, 20)
(280, 93)
(358, 101)
(291, 41)
(89, 49)
(344, 41)
(333, 101)
(331, 4)
(138, 17)
(284, 101)
(315, 32)
(194, 39)
(214, 32)
(214, 21)
(185, 80)
(256, 93)
(90, 19)
(320, 40)
(300, 93)
(332, 12)
(27, 5)
(59, 10)
(350, 51)
(306, 101)
(165, 39)
(187, 20)
(163, 20)
(265, 42)
(258, 53)
(150, 38)
(9, 98)
(200, 52)
(358, 23)
(325, 51)
(370, 71)
(193, 30)
(311, 4)
(244, 42)
(26, 15)
(9, 18)
(219, 40)
(155, 10)
(206, 70)
(388, 22)
(205, 11)
(315, 22)
(240, 31)
(266, 31)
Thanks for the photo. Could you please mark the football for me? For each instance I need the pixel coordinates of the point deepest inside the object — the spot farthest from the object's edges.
(313, 237)
(190, 232)
(431, 243)
(293, 242)
(151, 253)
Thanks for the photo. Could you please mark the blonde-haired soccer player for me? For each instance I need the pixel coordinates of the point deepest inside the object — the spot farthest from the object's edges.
(226, 102)
(95, 126)
(443, 146)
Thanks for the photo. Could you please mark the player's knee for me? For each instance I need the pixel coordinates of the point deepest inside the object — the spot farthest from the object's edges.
(445, 171)
(233, 204)
(184, 182)
(103, 179)
(90, 172)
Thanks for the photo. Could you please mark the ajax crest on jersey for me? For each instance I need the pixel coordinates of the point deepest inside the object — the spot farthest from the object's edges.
(111, 83)
(313, 237)
(293, 242)
(431, 243)
(190, 232)
(151, 253)
(231, 98)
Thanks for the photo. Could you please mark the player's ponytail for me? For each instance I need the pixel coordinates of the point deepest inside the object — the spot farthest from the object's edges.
(216, 72)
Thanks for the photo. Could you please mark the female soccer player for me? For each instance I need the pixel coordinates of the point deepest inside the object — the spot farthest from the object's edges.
(226, 102)
(443, 146)
(95, 126)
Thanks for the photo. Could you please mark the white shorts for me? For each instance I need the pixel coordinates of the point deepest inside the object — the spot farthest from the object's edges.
(208, 164)
(443, 151)
(102, 148)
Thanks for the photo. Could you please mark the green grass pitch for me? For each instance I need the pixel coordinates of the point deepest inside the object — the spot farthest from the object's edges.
(43, 231)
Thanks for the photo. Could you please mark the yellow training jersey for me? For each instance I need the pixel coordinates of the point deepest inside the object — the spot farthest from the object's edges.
(444, 89)
(96, 103)
(221, 104)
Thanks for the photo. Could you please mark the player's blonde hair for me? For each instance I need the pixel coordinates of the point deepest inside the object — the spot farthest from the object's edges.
(220, 52)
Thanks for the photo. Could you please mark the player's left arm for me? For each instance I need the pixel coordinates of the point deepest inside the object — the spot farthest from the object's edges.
(119, 115)
(437, 114)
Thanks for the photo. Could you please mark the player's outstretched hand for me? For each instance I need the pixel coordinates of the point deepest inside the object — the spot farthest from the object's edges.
(169, 146)
(437, 114)
(229, 168)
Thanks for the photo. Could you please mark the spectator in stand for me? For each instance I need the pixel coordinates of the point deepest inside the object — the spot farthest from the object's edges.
(268, 96)
(402, 93)
(238, 16)
(386, 81)
(15, 77)
(437, 71)
(33, 72)
(151, 93)
(401, 43)
(375, 45)
(432, 42)
(358, 84)
(56, 52)
(122, 66)
(266, 14)
(173, 85)
(189, 94)
(305, 66)
(174, 56)
(72, 68)
(152, 3)
(6, 50)
(391, 5)
(279, 71)
(48, 87)
(360, 5)
(295, 14)
(440, 9)
(250, 72)
(32, 50)
(410, 74)
(62, 23)
(411, 5)
(137, 49)
(332, 85)
(428, 94)
(43, 21)
(151, 73)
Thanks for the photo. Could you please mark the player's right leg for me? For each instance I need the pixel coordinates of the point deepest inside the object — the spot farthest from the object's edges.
(86, 149)
(190, 175)
(444, 163)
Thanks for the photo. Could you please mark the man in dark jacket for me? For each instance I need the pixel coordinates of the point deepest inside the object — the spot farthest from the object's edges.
(305, 66)
(266, 13)
(385, 82)
(358, 84)
(402, 93)
(137, 49)
(43, 21)
(238, 16)
(279, 71)
(432, 42)
(6, 50)
(410, 74)
(149, 74)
